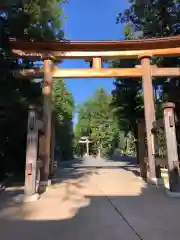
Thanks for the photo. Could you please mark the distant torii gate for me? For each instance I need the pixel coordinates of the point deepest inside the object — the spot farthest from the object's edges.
(96, 52)
(86, 141)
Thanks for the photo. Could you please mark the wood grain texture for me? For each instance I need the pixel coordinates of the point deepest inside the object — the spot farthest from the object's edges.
(169, 46)
(97, 72)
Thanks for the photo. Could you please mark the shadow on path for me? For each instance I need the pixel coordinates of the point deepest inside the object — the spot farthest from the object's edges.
(90, 163)
(92, 204)
(104, 217)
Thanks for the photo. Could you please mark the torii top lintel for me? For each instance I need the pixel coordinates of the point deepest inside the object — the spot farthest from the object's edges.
(168, 46)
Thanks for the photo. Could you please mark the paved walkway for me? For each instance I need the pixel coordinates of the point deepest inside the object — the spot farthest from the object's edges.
(100, 200)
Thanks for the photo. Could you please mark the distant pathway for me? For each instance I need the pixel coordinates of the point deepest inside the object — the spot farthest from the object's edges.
(98, 163)
(93, 199)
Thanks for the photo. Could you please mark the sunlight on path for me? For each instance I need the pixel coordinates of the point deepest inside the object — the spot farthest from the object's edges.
(86, 203)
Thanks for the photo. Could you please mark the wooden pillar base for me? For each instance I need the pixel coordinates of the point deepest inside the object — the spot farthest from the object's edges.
(143, 171)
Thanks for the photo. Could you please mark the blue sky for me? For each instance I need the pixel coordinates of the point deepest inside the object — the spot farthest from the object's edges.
(90, 20)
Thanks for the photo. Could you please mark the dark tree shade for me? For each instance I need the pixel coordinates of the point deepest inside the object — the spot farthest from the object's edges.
(24, 20)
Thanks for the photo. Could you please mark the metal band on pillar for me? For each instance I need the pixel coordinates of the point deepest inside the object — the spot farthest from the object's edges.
(149, 109)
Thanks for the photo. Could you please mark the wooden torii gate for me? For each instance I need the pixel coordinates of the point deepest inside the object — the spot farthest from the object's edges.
(85, 140)
(96, 52)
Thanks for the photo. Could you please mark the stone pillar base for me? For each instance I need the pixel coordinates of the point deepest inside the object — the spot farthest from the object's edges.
(25, 198)
(172, 194)
(156, 181)
(153, 181)
(45, 183)
(160, 181)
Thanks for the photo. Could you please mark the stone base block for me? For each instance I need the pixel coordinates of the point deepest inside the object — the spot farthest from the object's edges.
(160, 181)
(156, 181)
(45, 183)
(153, 181)
(25, 198)
(172, 194)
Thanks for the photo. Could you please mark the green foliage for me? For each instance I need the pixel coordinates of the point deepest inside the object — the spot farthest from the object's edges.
(35, 19)
(127, 95)
(23, 20)
(148, 19)
(63, 108)
(157, 19)
(128, 147)
(127, 103)
(96, 120)
(45, 18)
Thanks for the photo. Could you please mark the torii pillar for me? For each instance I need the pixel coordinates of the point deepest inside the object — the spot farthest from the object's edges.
(149, 110)
(47, 115)
(31, 153)
(142, 148)
(52, 145)
(30, 193)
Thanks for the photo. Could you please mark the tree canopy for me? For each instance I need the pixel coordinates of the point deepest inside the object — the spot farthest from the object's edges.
(147, 19)
(33, 19)
(96, 120)
(63, 109)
